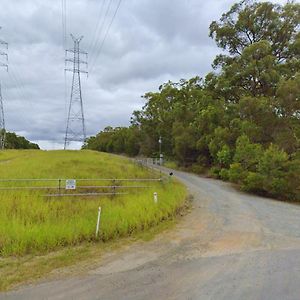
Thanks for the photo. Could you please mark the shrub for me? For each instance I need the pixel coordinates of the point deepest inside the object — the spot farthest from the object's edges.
(224, 156)
(219, 139)
(224, 174)
(273, 167)
(253, 182)
(214, 172)
(247, 153)
(198, 169)
(236, 173)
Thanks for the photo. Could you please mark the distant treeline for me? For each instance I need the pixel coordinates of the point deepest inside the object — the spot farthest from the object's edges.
(242, 121)
(13, 141)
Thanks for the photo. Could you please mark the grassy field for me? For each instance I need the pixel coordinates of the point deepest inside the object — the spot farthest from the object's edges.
(33, 224)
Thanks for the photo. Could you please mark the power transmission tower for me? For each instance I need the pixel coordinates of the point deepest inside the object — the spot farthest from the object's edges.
(75, 131)
(4, 45)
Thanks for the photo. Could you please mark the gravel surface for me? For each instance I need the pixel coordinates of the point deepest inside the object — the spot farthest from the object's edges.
(231, 246)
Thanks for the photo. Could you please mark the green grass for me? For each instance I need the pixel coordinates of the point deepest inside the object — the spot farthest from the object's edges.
(33, 224)
(72, 260)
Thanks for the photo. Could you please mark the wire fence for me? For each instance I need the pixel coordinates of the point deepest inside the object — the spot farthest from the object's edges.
(64, 187)
(78, 187)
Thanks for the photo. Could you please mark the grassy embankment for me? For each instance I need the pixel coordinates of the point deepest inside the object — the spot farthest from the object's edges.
(33, 224)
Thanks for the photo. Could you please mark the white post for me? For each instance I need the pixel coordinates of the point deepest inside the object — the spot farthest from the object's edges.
(155, 197)
(98, 221)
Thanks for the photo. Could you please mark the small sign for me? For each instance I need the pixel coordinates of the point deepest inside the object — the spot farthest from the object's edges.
(70, 184)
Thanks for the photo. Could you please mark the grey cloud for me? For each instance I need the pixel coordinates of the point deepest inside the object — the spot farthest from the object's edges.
(149, 43)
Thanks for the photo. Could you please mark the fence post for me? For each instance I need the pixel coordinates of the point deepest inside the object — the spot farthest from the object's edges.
(98, 221)
(114, 187)
(59, 185)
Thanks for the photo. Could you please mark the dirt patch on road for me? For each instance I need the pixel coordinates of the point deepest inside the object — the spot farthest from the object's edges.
(234, 242)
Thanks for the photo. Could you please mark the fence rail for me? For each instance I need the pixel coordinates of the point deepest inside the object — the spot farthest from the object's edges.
(84, 194)
(60, 187)
(78, 187)
(83, 179)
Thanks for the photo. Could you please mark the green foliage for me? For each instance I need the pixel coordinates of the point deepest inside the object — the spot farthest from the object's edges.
(197, 169)
(184, 143)
(119, 140)
(272, 166)
(253, 182)
(250, 22)
(219, 140)
(13, 141)
(276, 175)
(224, 156)
(247, 154)
(224, 174)
(215, 172)
(236, 173)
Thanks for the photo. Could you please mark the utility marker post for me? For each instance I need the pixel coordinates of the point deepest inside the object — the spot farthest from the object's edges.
(161, 156)
(155, 198)
(98, 221)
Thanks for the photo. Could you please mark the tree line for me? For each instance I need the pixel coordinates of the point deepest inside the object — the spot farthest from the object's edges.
(14, 141)
(242, 121)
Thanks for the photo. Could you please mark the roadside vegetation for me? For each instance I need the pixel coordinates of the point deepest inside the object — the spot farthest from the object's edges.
(242, 121)
(33, 224)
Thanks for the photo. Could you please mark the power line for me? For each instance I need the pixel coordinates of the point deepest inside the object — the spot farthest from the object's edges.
(95, 45)
(19, 84)
(101, 12)
(19, 92)
(105, 36)
(64, 23)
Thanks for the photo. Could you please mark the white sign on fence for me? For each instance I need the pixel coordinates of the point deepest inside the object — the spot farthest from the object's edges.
(70, 184)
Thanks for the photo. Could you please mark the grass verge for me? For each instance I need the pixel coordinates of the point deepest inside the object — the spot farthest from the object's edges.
(38, 235)
(72, 260)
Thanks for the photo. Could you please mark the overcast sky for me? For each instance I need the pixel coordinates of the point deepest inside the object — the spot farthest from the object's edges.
(149, 43)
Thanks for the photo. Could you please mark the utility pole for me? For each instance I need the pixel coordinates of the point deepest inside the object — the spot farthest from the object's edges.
(4, 45)
(75, 130)
(161, 156)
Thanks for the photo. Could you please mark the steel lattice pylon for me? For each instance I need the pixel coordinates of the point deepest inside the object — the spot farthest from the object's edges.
(75, 130)
(2, 120)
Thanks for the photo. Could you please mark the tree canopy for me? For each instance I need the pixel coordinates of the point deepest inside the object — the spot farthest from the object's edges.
(13, 141)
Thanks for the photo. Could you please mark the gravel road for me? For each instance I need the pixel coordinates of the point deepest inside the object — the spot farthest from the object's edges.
(231, 246)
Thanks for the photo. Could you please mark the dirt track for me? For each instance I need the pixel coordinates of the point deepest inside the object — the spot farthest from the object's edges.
(231, 246)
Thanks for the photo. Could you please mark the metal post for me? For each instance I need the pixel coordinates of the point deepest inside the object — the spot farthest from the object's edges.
(160, 153)
(114, 188)
(59, 186)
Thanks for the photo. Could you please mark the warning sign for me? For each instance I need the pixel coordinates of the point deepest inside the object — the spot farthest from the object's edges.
(70, 184)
